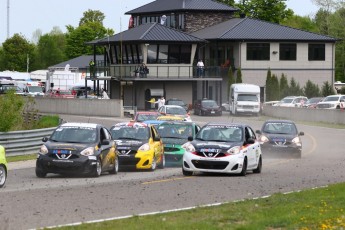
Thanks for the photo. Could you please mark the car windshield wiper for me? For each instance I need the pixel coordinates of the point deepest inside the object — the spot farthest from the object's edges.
(172, 137)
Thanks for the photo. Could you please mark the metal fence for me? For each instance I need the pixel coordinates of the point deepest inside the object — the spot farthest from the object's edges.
(24, 142)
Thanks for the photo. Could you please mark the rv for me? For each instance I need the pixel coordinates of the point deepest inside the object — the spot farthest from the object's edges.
(245, 99)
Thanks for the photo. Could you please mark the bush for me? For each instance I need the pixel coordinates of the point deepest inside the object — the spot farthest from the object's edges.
(11, 109)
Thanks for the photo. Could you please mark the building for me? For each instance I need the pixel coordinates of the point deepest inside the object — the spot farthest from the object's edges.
(170, 36)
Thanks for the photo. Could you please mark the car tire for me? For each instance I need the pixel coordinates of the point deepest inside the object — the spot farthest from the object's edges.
(3, 176)
(153, 164)
(98, 169)
(186, 173)
(115, 170)
(40, 173)
(162, 163)
(244, 168)
(259, 167)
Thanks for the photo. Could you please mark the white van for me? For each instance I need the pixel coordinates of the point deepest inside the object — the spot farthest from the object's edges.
(244, 98)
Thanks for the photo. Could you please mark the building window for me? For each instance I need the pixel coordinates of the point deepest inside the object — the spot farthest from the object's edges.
(316, 52)
(163, 54)
(169, 54)
(258, 51)
(152, 53)
(287, 51)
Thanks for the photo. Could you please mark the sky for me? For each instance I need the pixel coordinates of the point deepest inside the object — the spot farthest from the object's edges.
(26, 16)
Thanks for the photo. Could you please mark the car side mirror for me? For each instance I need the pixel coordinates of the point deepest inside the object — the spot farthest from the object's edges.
(301, 134)
(105, 142)
(44, 139)
(250, 141)
(190, 138)
(156, 138)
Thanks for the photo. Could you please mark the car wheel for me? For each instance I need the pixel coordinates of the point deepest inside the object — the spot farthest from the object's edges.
(98, 170)
(115, 170)
(187, 173)
(162, 164)
(244, 168)
(258, 169)
(3, 176)
(153, 164)
(40, 173)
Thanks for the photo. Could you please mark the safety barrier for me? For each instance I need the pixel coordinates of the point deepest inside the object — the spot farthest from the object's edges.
(24, 142)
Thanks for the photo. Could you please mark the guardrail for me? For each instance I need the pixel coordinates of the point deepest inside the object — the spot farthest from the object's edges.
(24, 142)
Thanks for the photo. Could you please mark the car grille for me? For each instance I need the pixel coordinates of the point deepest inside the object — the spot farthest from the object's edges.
(127, 152)
(63, 154)
(209, 154)
(324, 106)
(216, 165)
(248, 107)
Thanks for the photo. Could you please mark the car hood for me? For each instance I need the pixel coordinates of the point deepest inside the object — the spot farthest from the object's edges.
(68, 146)
(278, 137)
(199, 145)
(129, 143)
(176, 141)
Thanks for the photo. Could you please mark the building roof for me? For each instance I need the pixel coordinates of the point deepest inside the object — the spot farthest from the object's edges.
(150, 32)
(80, 62)
(160, 6)
(249, 29)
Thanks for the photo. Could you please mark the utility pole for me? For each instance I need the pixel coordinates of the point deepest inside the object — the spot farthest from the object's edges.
(8, 19)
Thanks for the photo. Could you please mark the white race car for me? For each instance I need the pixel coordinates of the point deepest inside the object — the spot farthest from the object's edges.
(223, 148)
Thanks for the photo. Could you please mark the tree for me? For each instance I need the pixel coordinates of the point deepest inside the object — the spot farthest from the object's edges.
(283, 86)
(269, 89)
(301, 22)
(239, 75)
(294, 88)
(311, 90)
(275, 88)
(11, 110)
(267, 10)
(92, 16)
(16, 53)
(327, 89)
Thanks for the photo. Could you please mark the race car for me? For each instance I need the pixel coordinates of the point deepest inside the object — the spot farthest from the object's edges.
(174, 134)
(3, 167)
(138, 145)
(223, 148)
(78, 148)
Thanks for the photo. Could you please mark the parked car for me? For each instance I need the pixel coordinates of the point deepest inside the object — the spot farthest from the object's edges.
(175, 101)
(3, 166)
(175, 110)
(78, 148)
(223, 148)
(145, 115)
(207, 107)
(170, 118)
(139, 145)
(332, 102)
(174, 134)
(280, 136)
(60, 94)
(292, 101)
(312, 102)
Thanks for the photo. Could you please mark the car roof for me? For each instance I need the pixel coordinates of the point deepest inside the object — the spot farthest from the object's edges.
(84, 125)
(226, 123)
(278, 121)
(131, 124)
(147, 112)
(173, 106)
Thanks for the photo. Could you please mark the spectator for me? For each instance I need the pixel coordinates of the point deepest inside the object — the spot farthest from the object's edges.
(160, 102)
(143, 70)
(200, 68)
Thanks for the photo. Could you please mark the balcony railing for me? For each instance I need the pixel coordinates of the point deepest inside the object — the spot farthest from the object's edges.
(159, 71)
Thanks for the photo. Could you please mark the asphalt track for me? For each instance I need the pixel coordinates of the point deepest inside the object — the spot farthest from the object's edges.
(29, 202)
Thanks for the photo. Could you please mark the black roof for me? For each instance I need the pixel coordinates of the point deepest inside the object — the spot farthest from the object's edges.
(150, 32)
(159, 6)
(246, 29)
(80, 62)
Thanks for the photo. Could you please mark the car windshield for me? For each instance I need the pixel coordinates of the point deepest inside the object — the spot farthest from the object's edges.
(74, 134)
(130, 132)
(209, 103)
(146, 117)
(172, 130)
(176, 102)
(287, 100)
(247, 97)
(176, 110)
(222, 133)
(336, 98)
(280, 128)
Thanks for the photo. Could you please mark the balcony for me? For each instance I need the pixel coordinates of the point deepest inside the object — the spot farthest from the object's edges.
(128, 71)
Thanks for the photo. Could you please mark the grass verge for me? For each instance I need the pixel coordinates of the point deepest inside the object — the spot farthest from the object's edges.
(21, 158)
(321, 208)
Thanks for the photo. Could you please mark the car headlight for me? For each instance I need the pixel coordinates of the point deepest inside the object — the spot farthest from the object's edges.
(263, 139)
(88, 151)
(297, 141)
(144, 147)
(188, 147)
(234, 150)
(43, 150)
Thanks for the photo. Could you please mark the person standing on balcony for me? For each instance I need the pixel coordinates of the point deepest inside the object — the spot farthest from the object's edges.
(143, 70)
(92, 68)
(200, 68)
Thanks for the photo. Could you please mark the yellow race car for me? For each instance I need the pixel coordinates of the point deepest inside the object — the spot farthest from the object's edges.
(138, 145)
(3, 167)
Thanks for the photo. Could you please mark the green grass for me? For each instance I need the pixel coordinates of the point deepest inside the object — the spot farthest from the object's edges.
(21, 158)
(47, 121)
(321, 208)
